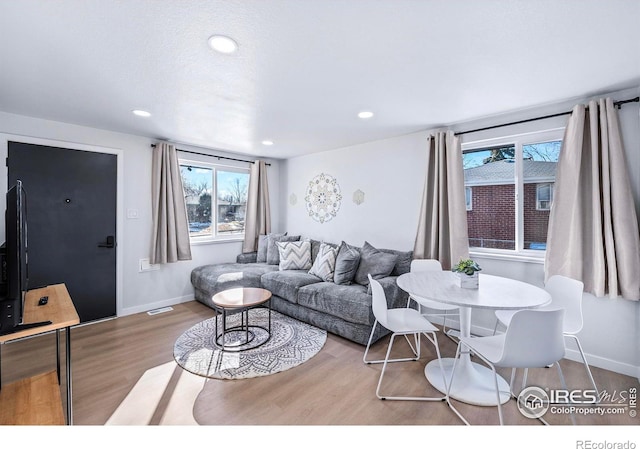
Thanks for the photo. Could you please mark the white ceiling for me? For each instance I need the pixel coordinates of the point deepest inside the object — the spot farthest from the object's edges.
(305, 68)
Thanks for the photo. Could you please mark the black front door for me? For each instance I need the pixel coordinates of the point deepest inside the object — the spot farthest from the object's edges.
(71, 222)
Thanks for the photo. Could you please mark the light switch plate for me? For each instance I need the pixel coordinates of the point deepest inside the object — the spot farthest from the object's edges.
(146, 266)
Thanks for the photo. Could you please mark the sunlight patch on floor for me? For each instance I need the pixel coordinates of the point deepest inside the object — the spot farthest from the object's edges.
(165, 384)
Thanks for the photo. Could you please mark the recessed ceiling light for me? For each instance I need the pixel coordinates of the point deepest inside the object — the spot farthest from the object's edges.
(365, 114)
(223, 44)
(267, 142)
(141, 113)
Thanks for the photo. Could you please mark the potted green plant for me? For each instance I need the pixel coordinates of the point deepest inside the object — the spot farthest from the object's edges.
(467, 270)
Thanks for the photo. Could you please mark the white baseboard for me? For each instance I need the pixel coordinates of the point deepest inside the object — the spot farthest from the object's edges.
(604, 363)
(157, 305)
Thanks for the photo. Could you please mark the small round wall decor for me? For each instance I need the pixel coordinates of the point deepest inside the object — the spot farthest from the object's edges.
(323, 198)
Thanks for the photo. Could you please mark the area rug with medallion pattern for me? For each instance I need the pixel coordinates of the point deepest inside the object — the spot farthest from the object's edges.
(292, 343)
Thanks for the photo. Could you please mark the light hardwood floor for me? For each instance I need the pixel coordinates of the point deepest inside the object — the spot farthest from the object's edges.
(124, 373)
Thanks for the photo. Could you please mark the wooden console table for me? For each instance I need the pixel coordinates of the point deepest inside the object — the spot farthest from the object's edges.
(37, 400)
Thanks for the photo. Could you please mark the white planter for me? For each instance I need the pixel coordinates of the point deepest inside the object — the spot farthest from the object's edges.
(467, 281)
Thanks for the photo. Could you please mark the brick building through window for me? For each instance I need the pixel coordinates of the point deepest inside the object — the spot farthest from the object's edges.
(491, 207)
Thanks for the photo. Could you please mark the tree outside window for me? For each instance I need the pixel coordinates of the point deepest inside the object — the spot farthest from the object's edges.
(232, 201)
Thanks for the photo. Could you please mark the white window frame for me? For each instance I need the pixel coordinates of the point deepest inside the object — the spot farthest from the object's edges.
(214, 238)
(539, 201)
(518, 141)
(468, 200)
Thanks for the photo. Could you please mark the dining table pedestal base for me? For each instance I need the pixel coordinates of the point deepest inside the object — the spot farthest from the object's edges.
(474, 383)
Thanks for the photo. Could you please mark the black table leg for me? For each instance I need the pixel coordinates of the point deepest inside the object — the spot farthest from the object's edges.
(58, 354)
(69, 377)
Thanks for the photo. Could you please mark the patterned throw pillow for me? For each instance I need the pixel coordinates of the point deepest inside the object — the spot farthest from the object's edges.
(325, 263)
(273, 254)
(295, 255)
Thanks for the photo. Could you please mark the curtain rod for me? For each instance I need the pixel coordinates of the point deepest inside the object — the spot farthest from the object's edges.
(617, 104)
(153, 145)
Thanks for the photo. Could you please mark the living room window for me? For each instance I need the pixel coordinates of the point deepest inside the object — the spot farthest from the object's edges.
(511, 182)
(216, 199)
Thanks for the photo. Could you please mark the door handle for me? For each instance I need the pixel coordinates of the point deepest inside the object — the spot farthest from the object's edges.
(109, 243)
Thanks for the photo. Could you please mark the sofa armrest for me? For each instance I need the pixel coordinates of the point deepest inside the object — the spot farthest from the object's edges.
(247, 257)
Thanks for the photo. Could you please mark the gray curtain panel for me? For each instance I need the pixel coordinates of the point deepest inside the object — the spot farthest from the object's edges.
(258, 216)
(442, 226)
(593, 227)
(170, 241)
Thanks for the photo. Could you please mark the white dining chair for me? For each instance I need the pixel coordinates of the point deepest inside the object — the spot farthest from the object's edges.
(447, 310)
(533, 339)
(403, 322)
(566, 293)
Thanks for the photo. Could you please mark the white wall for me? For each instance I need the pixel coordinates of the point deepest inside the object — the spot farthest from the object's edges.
(391, 173)
(137, 291)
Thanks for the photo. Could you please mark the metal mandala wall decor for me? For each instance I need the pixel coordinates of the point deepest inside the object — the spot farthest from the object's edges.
(323, 198)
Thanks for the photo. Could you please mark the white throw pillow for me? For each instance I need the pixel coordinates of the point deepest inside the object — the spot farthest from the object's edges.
(325, 263)
(295, 255)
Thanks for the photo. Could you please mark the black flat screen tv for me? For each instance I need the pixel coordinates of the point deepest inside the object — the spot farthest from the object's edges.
(16, 260)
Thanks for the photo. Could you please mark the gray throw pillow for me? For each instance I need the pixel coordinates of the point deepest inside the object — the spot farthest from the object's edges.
(346, 264)
(263, 240)
(403, 264)
(273, 254)
(374, 262)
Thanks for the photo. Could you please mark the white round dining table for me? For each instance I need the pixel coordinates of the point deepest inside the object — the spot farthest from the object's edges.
(474, 383)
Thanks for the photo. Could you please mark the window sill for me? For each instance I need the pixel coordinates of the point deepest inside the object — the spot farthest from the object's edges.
(537, 258)
(199, 242)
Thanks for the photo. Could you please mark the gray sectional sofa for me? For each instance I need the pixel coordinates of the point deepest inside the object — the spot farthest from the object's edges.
(343, 309)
